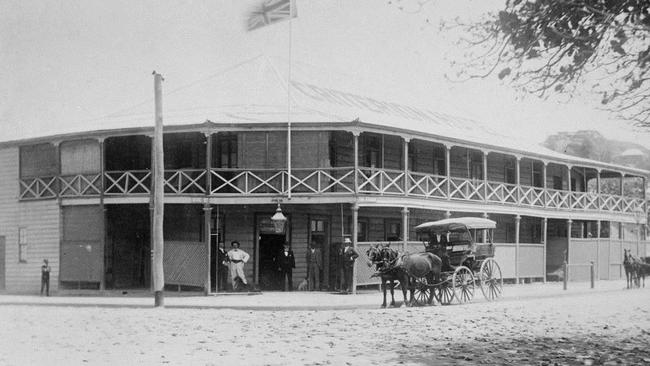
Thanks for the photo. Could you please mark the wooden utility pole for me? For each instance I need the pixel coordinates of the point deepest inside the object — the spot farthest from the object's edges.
(158, 197)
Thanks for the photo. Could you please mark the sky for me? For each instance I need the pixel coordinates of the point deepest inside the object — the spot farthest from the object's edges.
(67, 65)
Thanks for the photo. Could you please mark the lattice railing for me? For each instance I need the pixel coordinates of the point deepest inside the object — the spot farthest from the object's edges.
(531, 196)
(260, 181)
(466, 189)
(80, 185)
(632, 204)
(502, 192)
(321, 181)
(185, 181)
(128, 182)
(578, 200)
(558, 199)
(427, 185)
(381, 181)
(40, 187)
(610, 202)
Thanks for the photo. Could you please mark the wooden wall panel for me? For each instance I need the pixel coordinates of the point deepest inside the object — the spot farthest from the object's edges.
(310, 149)
(80, 157)
(497, 166)
(9, 158)
(526, 172)
(42, 221)
(39, 218)
(458, 157)
(393, 149)
(252, 150)
(81, 252)
(342, 144)
(38, 161)
(424, 156)
(553, 170)
(276, 149)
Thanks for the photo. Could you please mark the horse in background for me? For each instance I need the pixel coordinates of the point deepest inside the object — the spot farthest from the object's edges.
(629, 264)
(642, 269)
(384, 259)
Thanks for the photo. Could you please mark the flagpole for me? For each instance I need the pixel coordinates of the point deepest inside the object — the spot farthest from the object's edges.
(289, 109)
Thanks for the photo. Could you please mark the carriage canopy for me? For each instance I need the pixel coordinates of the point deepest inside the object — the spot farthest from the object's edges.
(458, 224)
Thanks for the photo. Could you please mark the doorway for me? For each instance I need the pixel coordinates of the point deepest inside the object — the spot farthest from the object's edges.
(128, 247)
(270, 246)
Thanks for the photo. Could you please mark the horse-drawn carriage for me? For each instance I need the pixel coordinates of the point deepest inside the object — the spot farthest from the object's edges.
(459, 256)
(467, 252)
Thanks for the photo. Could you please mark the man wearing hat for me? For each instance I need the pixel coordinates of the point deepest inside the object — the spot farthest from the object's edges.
(286, 263)
(237, 258)
(348, 256)
(45, 278)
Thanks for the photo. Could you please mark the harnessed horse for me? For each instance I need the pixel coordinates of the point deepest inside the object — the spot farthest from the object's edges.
(384, 259)
(406, 268)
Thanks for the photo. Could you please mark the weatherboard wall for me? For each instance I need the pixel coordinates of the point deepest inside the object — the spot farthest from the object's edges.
(40, 221)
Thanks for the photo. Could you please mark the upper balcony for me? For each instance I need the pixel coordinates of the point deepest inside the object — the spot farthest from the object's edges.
(324, 163)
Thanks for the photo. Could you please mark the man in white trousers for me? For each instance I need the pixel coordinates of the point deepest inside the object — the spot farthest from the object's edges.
(237, 258)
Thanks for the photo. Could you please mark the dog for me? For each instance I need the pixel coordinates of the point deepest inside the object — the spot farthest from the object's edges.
(304, 285)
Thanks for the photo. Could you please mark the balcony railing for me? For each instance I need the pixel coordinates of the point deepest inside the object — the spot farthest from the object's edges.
(322, 181)
(381, 181)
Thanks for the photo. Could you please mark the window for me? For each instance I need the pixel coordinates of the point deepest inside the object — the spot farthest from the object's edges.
(362, 233)
(439, 161)
(557, 182)
(393, 230)
(318, 232)
(372, 151)
(535, 232)
(509, 173)
(317, 225)
(477, 170)
(413, 158)
(510, 232)
(22, 245)
(226, 151)
(537, 176)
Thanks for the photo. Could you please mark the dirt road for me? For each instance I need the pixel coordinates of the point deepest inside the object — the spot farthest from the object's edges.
(611, 327)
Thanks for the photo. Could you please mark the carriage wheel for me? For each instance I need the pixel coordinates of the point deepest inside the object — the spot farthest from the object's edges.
(463, 284)
(422, 292)
(490, 279)
(444, 292)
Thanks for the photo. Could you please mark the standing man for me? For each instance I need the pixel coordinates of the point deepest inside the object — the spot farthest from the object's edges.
(222, 267)
(45, 278)
(286, 263)
(314, 265)
(237, 259)
(348, 256)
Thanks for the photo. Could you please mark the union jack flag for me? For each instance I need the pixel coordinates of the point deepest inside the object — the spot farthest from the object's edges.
(270, 12)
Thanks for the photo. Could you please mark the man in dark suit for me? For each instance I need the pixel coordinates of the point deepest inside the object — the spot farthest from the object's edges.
(286, 263)
(222, 267)
(314, 265)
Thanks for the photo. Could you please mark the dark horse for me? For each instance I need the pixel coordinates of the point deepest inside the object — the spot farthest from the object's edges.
(628, 265)
(406, 268)
(384, 259)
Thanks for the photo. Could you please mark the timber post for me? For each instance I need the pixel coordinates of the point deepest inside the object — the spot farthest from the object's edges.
(158, 197)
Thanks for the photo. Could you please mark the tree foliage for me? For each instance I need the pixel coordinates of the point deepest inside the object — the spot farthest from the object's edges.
(566, 47)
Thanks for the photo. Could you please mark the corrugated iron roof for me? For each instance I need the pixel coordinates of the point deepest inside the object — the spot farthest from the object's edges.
(256, 91)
